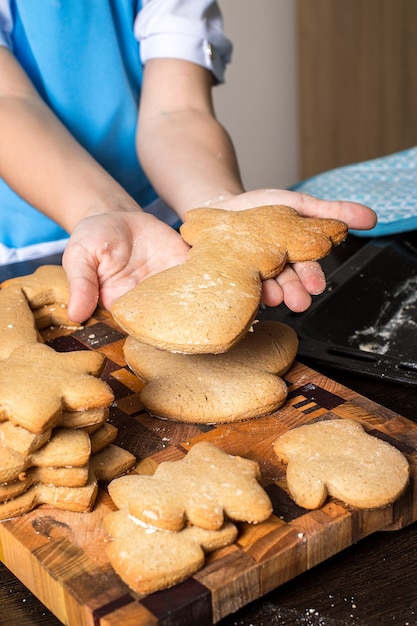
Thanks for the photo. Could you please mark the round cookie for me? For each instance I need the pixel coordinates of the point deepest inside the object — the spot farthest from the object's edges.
(217, 388)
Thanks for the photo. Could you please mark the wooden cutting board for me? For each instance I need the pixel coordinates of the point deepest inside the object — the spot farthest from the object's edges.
(60, 556)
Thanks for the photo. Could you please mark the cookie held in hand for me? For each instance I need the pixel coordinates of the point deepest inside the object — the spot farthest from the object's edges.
(338, 458)
(208, 303)
(240, 384)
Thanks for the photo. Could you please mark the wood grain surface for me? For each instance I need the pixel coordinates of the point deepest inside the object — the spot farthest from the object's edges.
(60, 556)
(357, 81)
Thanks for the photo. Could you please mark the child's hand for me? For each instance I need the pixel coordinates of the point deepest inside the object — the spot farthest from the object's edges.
(298, 282)
(108, 254)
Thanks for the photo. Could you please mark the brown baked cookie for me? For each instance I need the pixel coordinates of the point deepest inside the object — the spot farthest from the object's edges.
(69, 488)
(21, 440)
(243, 383)
(202, 489)
(25, 442)
(85, 419)
(111, 462)
(47, 285)
(47, 294)
(53, 315)
(339, 458)
(148, 560)
(15, 488)
(208, 303)
(79, 499)
(37, 384)
(103, 437)
(60, 476)
(17, 323)
(66, 448)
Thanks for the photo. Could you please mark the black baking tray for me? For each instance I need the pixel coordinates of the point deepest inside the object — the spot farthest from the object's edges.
(366, 320)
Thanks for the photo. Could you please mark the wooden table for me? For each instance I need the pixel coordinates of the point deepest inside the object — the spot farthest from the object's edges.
(371, 583)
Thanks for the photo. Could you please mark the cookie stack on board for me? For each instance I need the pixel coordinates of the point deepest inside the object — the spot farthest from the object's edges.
(193, 339)
(55, 442)
(190, 326)
(167, 521)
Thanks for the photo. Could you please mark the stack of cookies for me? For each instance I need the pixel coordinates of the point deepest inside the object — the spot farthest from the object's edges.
(209, 303)
(55, 442)
(167, 521)
(189, 326)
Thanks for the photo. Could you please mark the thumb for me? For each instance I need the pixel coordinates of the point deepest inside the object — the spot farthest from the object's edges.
(83, 286)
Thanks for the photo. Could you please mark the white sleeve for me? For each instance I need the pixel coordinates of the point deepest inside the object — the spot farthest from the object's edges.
(6, 23)
(184, 29)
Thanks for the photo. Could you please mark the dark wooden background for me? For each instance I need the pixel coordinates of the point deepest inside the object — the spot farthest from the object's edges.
(357, 80)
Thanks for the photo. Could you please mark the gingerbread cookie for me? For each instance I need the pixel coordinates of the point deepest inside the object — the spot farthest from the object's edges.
(148, 559)
(23, 441)
(69, 488)
(79, 499)
(243, 383)
(37, 384)
(17, 324)
(55, 443)
(208, 303)
(66, 448)
(54, 315)
(48, 285)
(338, 458)
(200, 489)
(87, 419)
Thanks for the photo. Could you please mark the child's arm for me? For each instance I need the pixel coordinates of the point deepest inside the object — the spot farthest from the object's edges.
(191, 162)
(42, 162)
(113, 243)
(185, 151)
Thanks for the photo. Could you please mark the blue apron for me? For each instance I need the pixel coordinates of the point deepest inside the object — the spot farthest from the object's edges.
(84, 60)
